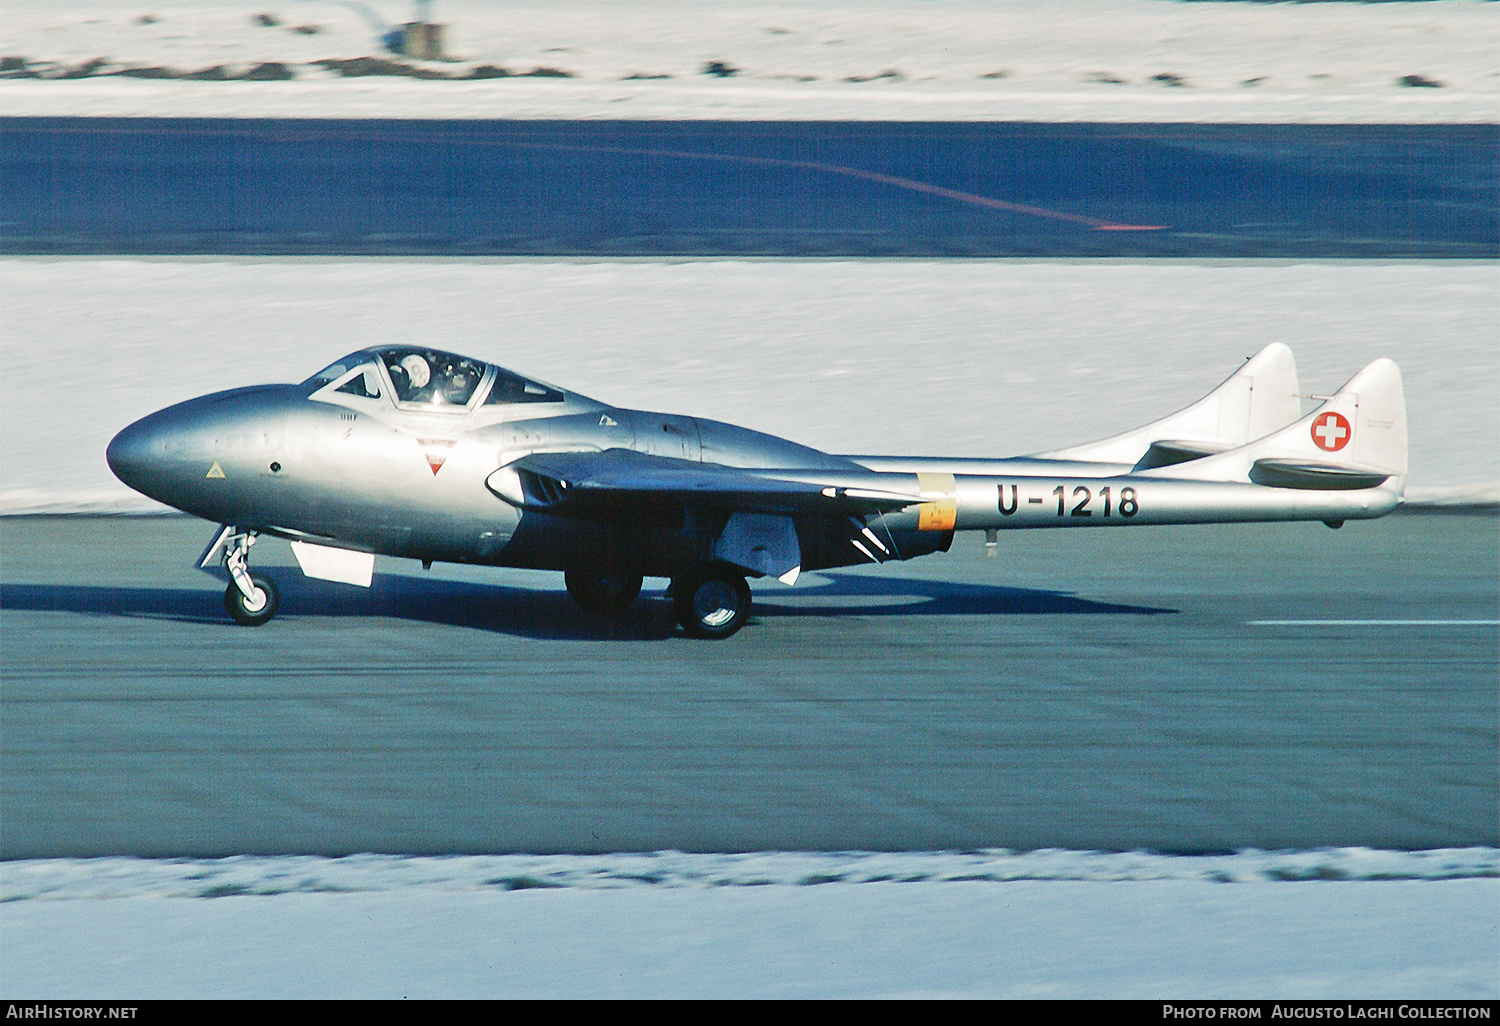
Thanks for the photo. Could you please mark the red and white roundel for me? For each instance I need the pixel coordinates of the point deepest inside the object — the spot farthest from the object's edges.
(1331, 432)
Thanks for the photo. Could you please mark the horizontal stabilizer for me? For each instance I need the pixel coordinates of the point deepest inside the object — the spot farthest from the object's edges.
(1256, 400)
(1357, 439)
(1315, 476)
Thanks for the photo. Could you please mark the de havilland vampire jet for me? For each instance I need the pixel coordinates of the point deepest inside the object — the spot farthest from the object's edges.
(406, 451)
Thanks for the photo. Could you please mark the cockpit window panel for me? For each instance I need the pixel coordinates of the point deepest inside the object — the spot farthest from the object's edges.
(510, 387)
(355, 375)
(431, 379)
(335, 370)
(365, 383)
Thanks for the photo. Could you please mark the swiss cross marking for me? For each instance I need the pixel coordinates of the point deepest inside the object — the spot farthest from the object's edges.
(1330, 432)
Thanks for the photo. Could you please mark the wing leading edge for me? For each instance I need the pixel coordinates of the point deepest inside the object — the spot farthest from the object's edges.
(589, 483)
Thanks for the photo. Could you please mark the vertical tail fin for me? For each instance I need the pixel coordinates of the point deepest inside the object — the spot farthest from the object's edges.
(1256, 400)
(1357, 439)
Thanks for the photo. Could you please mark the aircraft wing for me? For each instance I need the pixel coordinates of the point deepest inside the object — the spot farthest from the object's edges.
(585, 483)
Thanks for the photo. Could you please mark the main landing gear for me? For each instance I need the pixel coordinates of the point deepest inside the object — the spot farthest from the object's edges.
(606, 593)
(252, 599)
(711, 602)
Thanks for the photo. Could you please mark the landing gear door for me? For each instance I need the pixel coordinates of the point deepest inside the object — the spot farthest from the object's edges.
(762, 543)
(213, 554)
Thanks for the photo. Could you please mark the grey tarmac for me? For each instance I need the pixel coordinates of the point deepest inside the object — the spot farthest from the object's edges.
(1191, 689)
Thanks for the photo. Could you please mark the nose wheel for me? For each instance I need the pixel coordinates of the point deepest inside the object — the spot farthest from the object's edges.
(252, 599)
(711, 603)
(254, 609)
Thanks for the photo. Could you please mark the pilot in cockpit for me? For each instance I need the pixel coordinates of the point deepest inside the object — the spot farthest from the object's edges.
(416, 374)
(432, 378)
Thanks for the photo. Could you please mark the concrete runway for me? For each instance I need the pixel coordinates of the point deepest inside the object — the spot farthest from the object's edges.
(1087, 689)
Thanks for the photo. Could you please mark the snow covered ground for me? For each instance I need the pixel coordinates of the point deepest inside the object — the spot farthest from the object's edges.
(1047, 60)
(1328, 924)
(960, 358)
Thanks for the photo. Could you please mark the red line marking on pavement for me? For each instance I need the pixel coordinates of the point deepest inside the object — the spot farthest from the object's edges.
(974, 198)
(874, 176)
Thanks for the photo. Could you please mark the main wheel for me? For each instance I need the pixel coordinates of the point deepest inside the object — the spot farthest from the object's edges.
(602, 593)
(253, 613)
(711, 604)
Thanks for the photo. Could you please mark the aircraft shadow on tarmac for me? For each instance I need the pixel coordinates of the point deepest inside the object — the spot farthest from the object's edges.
(527, 612)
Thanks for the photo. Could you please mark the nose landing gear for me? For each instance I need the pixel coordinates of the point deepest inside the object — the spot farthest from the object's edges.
(252, 599)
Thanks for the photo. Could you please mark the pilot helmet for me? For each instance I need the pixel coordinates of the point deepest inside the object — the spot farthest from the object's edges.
(416, 369)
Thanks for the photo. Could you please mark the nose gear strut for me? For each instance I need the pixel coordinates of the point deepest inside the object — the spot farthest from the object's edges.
(251, 598)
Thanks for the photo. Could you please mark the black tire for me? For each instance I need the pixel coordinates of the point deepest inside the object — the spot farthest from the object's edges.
(242, 611)
(606, 593)
(711, 604)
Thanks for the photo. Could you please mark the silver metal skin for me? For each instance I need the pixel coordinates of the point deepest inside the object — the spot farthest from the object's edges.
(412, 452)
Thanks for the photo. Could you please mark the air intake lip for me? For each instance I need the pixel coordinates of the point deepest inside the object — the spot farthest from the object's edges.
(541, 490)
(527, 489)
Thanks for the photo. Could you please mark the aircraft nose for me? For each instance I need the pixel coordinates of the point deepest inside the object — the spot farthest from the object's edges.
(186, 455)
(130, 452)
(159, 454)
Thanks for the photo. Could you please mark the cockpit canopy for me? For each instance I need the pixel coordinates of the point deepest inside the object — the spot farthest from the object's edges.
(428, 379)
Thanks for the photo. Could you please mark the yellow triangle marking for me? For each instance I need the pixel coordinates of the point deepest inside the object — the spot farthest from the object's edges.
(215, 470)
